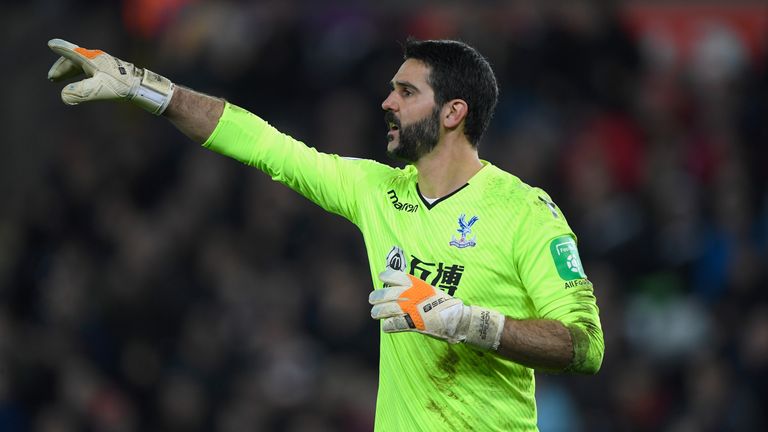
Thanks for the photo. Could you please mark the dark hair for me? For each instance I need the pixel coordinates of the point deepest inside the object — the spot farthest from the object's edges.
(458, 71)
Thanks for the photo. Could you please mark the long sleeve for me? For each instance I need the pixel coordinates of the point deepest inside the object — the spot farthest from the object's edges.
(326, 179)
(551, 270)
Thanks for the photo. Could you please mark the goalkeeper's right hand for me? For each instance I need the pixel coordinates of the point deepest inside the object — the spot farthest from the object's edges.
(109, 78)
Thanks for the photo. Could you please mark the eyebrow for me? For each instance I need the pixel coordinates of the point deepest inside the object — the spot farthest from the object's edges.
(405, 84)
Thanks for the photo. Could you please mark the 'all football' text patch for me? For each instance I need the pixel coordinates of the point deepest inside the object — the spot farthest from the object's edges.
(566, 257)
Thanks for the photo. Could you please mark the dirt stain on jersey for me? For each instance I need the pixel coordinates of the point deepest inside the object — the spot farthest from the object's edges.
(448, 362)
(480, 363)
(437, 409)
(446, 381)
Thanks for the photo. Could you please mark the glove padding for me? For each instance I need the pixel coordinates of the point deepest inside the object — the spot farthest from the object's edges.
(109, 78)
(407, 303)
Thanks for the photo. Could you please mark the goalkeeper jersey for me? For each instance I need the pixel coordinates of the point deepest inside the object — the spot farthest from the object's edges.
(495, 242)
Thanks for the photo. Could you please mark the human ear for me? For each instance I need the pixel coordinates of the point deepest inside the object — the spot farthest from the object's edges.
(454, 113)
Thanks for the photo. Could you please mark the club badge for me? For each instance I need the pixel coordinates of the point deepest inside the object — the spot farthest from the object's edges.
(465, 230)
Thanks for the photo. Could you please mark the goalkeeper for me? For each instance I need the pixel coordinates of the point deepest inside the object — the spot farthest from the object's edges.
(477, 276)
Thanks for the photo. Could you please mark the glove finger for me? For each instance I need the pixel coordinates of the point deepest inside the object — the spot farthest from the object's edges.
(396, 324)
(394, 277)
(386, 310)
(385, 294)
(89, 89)
(80, 56)
(63, 69)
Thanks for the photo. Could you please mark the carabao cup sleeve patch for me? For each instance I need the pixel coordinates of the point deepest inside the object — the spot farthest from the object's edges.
(566, 257)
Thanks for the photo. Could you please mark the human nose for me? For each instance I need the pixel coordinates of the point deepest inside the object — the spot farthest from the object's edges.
(389, 103)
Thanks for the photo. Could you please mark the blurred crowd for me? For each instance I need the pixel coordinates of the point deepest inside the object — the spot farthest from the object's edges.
(147, 284)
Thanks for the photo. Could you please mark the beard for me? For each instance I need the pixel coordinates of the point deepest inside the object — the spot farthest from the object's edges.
(416, 139)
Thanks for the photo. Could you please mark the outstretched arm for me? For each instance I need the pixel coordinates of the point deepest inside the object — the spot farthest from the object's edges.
(194, 114)
(109, 78)
(219, 126)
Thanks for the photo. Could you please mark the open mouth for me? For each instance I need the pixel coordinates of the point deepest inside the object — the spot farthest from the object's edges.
(392, 123)
(392, 130)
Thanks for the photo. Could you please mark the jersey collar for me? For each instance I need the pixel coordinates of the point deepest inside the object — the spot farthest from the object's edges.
(475, 179)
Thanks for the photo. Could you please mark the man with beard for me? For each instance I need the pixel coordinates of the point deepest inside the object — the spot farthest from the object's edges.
(472, 257)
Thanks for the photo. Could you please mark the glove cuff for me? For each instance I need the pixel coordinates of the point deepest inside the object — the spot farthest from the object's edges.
(485, 327)
(154, 92)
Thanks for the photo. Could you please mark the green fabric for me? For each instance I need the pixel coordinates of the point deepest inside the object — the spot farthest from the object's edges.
(488, 244)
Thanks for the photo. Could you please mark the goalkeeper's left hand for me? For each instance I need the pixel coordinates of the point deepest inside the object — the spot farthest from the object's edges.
(407, 303)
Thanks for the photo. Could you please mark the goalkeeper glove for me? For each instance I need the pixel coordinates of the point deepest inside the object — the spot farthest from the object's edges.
(109, 78)
(407, 303)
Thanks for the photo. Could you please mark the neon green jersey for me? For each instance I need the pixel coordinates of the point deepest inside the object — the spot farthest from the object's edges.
(496, 243)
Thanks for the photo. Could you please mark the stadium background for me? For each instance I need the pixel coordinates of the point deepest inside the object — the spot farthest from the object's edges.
(147, 284)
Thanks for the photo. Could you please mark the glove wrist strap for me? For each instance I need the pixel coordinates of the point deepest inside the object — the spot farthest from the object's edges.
(154, 92)
(485, 327)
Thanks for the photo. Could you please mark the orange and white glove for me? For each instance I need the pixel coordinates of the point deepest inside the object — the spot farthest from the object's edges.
(407, 303)
(109, 78)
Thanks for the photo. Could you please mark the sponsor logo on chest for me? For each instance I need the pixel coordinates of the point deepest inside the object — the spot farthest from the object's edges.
(442, 275)
(399, 205)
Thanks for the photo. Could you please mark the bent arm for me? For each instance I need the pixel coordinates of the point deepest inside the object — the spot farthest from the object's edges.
(538, 344)
(567, 337)
(194, 114)
(564, 334)
(551, 345)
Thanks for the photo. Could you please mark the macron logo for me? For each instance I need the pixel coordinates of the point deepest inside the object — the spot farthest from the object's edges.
(406, 207)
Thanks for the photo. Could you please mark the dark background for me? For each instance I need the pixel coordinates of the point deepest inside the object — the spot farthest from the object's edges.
(147, 284)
